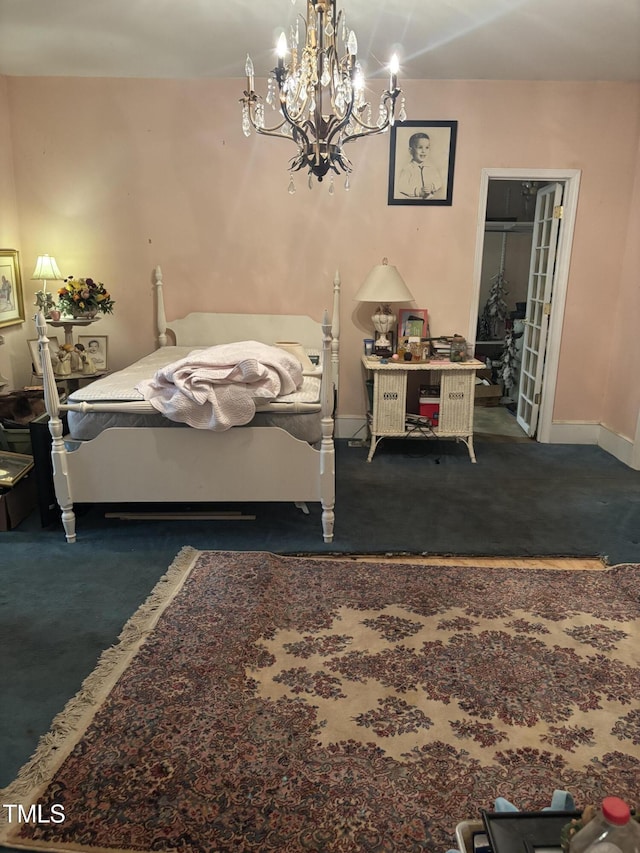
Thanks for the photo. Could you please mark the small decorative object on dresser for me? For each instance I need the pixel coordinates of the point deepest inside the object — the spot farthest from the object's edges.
(62, 367)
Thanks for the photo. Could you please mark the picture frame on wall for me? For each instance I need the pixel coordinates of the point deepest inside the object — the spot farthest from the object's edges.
(413, 323)
(421, 162)
(36, 361)
(11, 297)
(96, 347)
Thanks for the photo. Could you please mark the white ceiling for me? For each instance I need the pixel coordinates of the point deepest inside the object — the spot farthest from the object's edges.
(438, 39)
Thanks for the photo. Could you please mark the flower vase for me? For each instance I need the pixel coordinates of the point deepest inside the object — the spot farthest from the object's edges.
(84, 315)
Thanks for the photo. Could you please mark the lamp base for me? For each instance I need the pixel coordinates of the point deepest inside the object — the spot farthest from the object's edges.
(383, 344)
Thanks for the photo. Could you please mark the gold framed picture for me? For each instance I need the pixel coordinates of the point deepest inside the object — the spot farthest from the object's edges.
(11, 298)
(13, 466)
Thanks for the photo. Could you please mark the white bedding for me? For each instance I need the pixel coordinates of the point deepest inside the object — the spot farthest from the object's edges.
(302, 420)
(121, 386)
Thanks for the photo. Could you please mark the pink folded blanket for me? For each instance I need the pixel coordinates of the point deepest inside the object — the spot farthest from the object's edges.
(216, 388)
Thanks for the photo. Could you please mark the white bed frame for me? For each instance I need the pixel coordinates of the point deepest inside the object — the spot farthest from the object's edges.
(243, 464)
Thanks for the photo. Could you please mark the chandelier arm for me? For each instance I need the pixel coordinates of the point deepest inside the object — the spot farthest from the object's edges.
(250, 100)
(335, 126)
(297, 128)
(377, 128)
(268, 131)
(369, 129)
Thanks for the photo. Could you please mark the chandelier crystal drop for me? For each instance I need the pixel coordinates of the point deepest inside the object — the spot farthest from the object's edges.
(317, 91)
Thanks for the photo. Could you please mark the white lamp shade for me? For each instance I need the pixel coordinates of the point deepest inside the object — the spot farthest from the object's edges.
(46, 269)
(384, 284)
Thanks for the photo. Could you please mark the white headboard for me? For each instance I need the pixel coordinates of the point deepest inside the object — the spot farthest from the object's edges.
(205, 329)
(208, 329)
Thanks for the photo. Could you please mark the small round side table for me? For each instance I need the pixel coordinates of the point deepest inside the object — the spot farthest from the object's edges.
(68, 325)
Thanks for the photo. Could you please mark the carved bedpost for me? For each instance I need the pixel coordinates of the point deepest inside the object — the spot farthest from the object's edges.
(58, 449)
(327, 446)
(335, 331)
(161, 319)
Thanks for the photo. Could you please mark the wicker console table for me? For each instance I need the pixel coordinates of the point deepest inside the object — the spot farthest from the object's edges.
(388, 414)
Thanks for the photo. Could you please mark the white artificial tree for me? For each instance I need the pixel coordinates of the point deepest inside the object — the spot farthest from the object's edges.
(508, 370)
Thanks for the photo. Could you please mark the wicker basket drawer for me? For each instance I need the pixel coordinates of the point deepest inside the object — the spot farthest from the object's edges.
(389, 402)
(456, 403)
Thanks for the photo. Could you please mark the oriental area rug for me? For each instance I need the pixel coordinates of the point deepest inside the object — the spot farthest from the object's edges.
(265, 703)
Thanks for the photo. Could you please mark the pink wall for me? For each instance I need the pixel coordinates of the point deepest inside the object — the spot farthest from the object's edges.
(9, 218)
(622, 398)
(11, 353)
(115, 176)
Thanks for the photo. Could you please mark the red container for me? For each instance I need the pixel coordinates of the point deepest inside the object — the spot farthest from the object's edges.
(430, 410)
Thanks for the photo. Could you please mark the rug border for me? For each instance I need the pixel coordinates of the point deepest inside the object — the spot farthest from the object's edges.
(70, 724)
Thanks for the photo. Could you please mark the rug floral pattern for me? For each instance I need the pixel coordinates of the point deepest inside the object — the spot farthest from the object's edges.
(288, 704)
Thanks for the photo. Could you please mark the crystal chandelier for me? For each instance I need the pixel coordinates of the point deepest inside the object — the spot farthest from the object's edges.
(319, 94)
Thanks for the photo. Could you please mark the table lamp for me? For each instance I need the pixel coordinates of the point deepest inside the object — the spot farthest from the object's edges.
(383, 285)
(46, 270)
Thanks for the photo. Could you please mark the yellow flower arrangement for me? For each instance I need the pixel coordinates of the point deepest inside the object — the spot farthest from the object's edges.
(84, 296)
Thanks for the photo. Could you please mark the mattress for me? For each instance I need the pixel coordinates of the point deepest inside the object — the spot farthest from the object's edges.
(298, 413)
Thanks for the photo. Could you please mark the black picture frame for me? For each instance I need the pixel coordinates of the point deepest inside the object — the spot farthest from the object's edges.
(404, 186)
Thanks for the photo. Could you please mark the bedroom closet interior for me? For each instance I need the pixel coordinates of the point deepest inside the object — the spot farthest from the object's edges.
(508, 236)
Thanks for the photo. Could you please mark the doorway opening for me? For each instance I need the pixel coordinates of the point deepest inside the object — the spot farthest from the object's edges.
(525, 232)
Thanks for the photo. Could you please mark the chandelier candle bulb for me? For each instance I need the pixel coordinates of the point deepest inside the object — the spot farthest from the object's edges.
(249, 71)
(282, 50)
(394, 67)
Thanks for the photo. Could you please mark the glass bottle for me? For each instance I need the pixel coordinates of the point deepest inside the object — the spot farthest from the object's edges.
(610, 831)
(458, 351)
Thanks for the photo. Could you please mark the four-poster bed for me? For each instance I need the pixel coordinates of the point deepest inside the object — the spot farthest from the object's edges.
(120, 450)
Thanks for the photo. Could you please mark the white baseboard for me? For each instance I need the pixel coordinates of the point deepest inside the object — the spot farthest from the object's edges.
(350, 426)
(591, 433)
(572, 432)
(619, 446)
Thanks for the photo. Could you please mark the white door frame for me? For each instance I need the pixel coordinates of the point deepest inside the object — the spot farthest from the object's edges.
(571, 180)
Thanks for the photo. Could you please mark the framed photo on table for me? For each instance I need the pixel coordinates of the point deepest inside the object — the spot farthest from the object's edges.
(34, 349)
(11, 298)
(421, 162)
(96, 347)
(413, 323)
